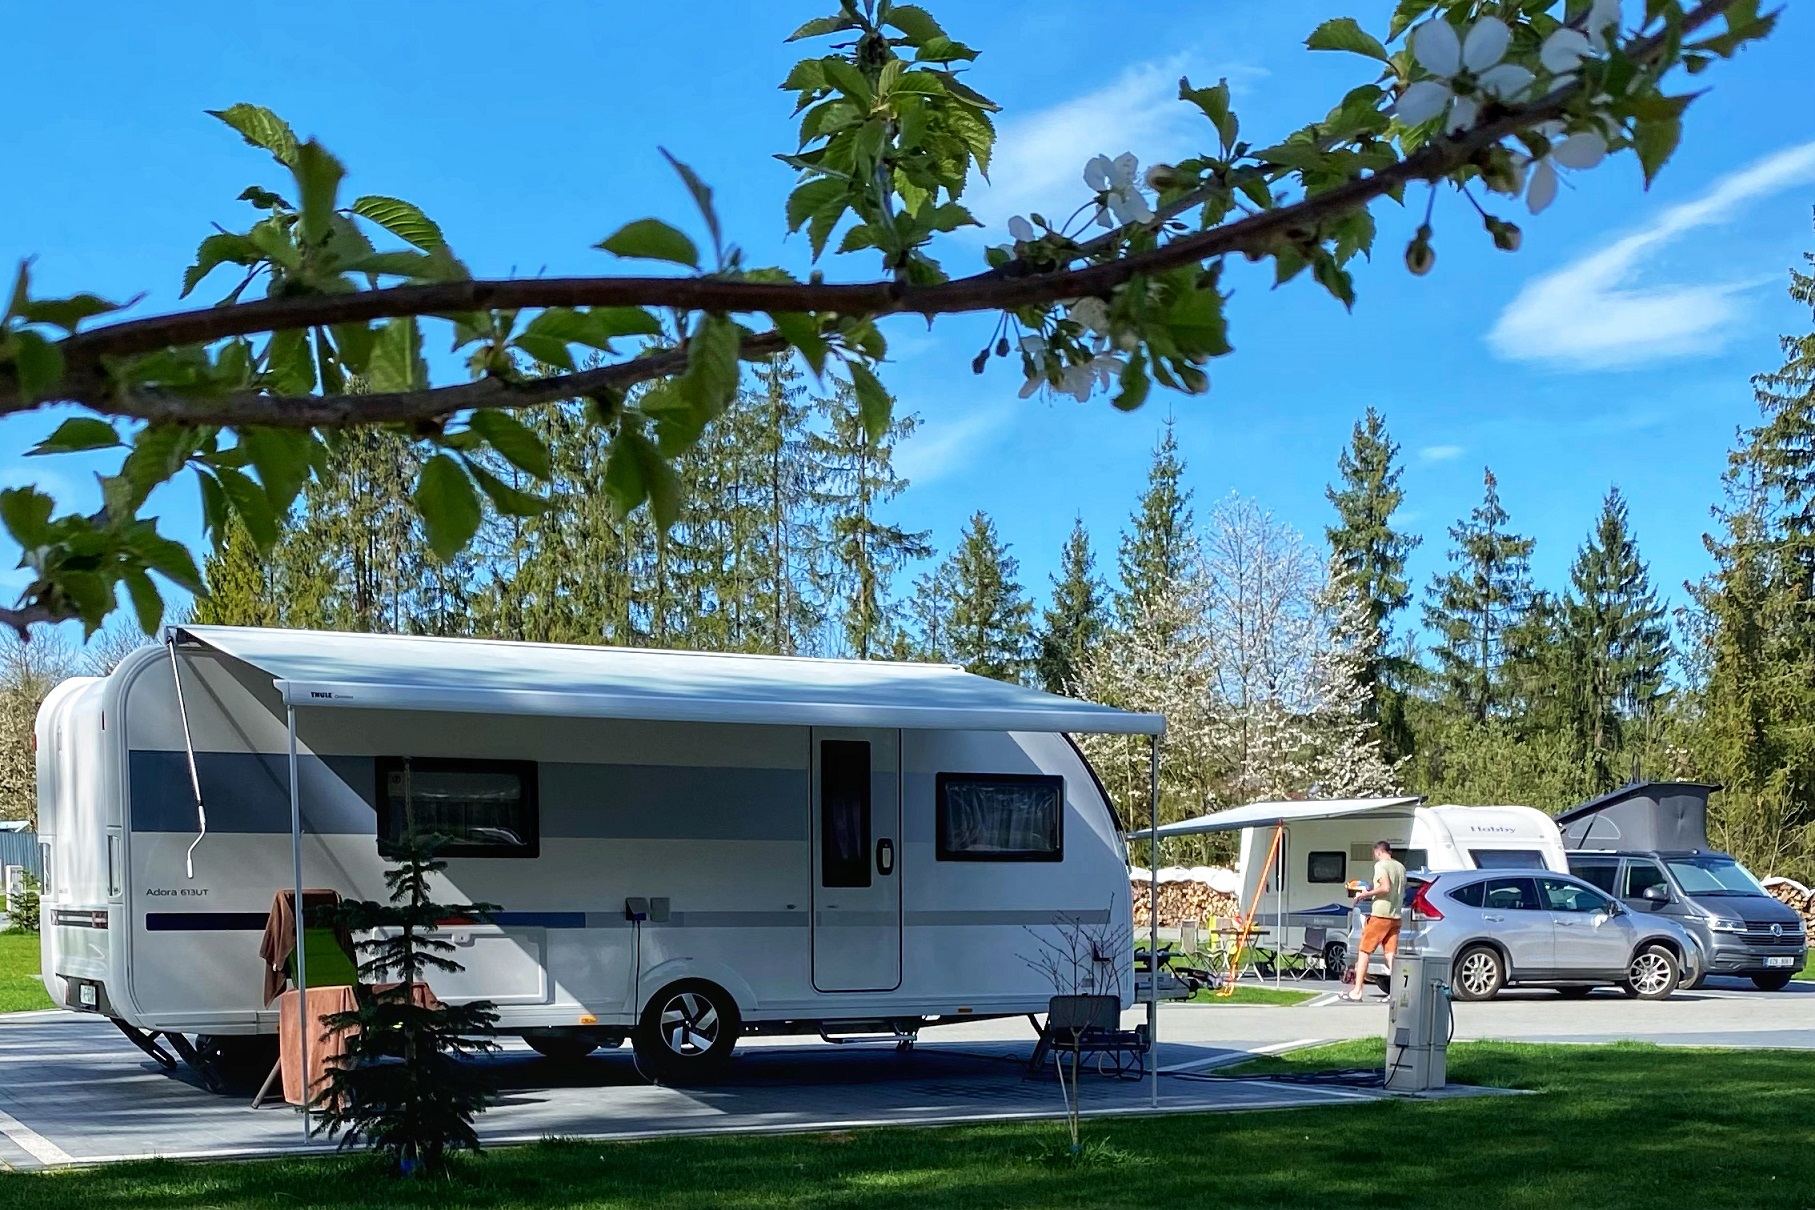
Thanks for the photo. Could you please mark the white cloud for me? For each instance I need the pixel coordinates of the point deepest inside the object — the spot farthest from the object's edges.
(1596, 314)
(945, 445)
(1039, 157)
(1439, 453)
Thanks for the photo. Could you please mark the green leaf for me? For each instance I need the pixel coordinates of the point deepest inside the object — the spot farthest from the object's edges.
(37, 364)
(875, 407)
(66, 313)
(505, 498)
(401, 219)
(318, 177)
(353, 343)
(513, 439)
(282, 459)
(249, 500)
(289, 365)
(1344, 33)
(448, 504)
(820, 26)
(851, 82)
(158, 452)
(78, 433)
(273, 239)
(814, 196)
(1655, 141)
(802, 331)
(710, 379)
(396, 363)
(1134, 383)
(1403, 16)
(147, 602)
(261, 128)
(26, 512)
(264, 199)
(92, 595)
(915, 22)
(652, 239)
(170, 559)
(702, 196)
(635, 471)
(220, 249)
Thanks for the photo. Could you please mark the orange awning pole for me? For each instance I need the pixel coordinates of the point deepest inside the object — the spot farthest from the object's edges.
(1247, 929)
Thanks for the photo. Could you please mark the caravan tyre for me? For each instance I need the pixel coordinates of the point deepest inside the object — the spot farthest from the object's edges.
(687, 1033)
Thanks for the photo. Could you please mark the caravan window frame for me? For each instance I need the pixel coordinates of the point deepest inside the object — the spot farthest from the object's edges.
(1340, 858)
(943, 782)
(390, 820)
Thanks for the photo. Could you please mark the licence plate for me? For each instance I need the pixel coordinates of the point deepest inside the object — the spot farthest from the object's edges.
(1786, 961)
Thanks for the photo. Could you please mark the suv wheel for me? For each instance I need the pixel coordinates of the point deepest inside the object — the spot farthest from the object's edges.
(1776, 981)
(1653, 974)
(1477, 973)
(687, 1033)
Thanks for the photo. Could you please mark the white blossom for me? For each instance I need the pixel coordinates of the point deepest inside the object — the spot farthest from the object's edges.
(1565, 49)
(1464, 70)
(1020, 229)
(1117, 185)
(1091, 314)
(1578, 151)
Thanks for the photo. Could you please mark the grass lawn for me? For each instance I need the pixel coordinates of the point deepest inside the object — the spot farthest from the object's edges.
(1617, 1127)
(20, 987)
(1254, 993)
(1808, 967)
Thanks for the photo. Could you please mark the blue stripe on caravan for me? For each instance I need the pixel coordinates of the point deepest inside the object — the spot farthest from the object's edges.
(540, 920)
(250, 792)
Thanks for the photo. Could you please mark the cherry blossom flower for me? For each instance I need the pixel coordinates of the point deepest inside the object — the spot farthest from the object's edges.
(1116, 183)
(1466, 69)
(1579, 151)
(1021, 230)
(1565, 49)
(1091, 314)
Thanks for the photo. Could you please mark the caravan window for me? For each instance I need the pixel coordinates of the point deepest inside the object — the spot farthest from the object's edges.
(482, 808)
(1326, 867)
(844, 813)
(1507, 859)
(1000, 817)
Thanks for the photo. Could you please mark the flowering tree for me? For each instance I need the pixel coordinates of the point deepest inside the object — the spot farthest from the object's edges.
(1474, 97)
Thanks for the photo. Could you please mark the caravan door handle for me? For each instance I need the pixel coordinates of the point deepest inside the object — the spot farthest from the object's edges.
(885, 856)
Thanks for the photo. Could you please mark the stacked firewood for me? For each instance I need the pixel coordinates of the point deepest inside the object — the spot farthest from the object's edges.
(1787, 890)
(1182, 901)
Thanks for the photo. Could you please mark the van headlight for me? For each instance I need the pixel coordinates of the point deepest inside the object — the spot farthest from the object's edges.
(1727, 926)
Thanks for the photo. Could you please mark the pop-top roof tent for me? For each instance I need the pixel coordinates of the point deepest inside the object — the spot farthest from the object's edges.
(406, 672)
(386, 672)
(1641, 815)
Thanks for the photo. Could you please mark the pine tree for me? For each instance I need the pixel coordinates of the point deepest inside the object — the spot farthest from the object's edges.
(991, 627)
(863, 552)
(1074, 622)
(1618, 641)
(928, 634)
(1156, 551)
(243, 585)
(1370, 558)
(1471, 609)
(1760, 606)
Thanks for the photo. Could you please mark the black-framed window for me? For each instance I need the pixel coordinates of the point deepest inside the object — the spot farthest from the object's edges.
(479, 808)
(844, 813)
(1327, 867)
(1000, 817)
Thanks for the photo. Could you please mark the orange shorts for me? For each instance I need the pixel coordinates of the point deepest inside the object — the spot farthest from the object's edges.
(1376, 931)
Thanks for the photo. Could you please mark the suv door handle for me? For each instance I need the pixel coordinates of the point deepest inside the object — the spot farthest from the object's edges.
(1492, 917)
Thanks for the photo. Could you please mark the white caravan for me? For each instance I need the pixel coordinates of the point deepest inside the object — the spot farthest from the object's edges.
(759, 844)
(1324, 853)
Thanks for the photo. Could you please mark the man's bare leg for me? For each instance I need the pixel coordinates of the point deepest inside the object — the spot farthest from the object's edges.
(1358, 974)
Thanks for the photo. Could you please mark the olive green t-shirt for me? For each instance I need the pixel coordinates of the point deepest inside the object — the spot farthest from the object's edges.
(1393, 901)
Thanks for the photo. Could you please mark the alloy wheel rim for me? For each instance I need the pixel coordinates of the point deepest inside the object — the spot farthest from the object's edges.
(1477, 973)
(1650, 972)
(690, 1024)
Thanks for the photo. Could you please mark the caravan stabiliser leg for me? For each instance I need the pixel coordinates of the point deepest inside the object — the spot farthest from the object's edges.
(211, 1078)
(147, 1043)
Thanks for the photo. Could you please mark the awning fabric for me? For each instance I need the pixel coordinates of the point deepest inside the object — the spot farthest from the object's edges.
(408, 672)
(1267, 814)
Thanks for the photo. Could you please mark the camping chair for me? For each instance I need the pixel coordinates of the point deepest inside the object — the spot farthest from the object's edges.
(1308, 957)
(328, 959)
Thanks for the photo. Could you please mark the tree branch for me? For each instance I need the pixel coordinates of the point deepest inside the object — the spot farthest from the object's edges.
(87, 383)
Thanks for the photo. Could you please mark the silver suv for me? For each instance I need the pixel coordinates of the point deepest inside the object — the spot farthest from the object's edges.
(1504, 928)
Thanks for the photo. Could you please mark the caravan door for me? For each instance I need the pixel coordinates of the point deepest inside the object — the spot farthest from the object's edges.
(856, 839)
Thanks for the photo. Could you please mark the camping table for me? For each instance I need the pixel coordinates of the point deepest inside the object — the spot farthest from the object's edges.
(1230, 936)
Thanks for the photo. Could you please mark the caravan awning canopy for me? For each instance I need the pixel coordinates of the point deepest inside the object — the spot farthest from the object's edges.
(1266, 814)
(408, 672)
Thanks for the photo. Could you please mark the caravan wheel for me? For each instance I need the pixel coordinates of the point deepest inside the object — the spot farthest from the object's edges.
(687, 1033)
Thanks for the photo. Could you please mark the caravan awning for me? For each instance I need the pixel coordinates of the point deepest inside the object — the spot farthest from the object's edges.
(408, 672)
(1267, 814)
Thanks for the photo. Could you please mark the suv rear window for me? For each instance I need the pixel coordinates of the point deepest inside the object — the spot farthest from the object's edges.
(1601, 873)
(1469, 895)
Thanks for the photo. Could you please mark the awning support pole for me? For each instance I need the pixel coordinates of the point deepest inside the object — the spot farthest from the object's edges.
(195, 780)
(302, 965)
(1153, 921)
(1279, 913)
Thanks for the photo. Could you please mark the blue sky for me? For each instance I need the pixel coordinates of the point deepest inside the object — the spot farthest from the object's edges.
(1614, 348)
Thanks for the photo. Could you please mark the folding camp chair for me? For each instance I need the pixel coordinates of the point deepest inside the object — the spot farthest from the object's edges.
(1307, 959)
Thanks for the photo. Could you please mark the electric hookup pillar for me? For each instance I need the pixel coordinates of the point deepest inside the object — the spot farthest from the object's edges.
(1417, 1024)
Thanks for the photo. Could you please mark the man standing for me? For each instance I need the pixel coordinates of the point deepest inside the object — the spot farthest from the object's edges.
(1381, 928)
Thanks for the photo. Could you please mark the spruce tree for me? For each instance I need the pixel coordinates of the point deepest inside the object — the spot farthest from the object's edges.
(1074, 622)
(1618, 641)
(991, 625)
(1370, 556)
(243, 586)
(1156, 551)
(1760, 623)
(1471, 608)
